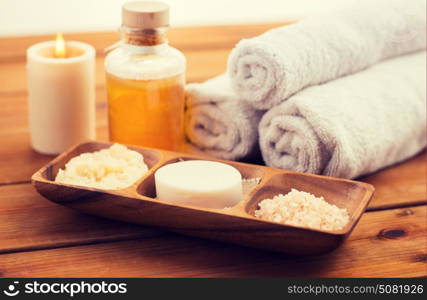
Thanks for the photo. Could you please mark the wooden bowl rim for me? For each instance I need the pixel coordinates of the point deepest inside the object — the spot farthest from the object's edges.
(238, 211)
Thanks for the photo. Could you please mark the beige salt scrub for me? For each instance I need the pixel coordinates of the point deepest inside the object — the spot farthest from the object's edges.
(302, 209)
(114, 168)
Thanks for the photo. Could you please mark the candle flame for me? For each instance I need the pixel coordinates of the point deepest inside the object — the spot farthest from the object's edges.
(60, 46)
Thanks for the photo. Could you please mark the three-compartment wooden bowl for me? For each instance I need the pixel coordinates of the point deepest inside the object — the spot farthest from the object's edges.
(138, 204)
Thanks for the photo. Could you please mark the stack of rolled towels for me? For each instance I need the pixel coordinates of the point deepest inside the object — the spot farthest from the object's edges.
(342, 94)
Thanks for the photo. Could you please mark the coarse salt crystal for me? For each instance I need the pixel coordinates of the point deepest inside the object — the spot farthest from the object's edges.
(302, 209)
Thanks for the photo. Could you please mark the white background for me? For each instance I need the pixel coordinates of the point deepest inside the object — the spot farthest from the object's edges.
(27, 17)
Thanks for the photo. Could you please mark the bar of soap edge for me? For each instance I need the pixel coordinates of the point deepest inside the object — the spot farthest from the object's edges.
(208, 184)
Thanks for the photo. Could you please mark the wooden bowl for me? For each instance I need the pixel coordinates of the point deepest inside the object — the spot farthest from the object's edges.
(138, 204)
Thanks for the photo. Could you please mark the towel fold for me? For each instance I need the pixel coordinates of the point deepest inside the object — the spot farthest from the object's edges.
(218, 123)
(267, 69)
(351, 126)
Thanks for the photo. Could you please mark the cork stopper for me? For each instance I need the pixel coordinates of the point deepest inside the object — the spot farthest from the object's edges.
(145, 14)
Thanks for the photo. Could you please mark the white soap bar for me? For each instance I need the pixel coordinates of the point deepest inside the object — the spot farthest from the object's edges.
(199, 183)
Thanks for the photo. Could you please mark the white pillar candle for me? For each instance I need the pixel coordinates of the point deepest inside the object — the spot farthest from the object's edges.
(61, 95)
(201, 183)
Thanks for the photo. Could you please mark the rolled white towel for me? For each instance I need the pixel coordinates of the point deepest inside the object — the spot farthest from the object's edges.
(351, 126)
(218, 123)
(267, 69)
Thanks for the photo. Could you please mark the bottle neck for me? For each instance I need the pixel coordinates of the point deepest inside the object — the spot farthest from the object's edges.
(143, 37)
(141, 41)
(144, 50)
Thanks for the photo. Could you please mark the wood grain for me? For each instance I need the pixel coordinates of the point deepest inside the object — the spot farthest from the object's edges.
(378, 246)
(137, 204)
(401, 184)
(56, 225)
(28, 222)
(386, 243)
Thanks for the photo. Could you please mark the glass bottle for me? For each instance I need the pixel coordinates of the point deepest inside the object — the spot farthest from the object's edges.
(145, 80)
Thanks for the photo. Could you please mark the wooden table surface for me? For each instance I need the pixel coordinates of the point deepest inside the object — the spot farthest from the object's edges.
(39, 238)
